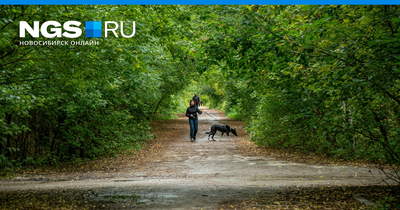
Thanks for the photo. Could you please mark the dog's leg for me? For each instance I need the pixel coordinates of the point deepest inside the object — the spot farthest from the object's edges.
(229, 137)
(222, 135)
(213, 131)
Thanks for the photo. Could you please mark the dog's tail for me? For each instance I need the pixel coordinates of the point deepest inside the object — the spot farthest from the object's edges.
(208, 132)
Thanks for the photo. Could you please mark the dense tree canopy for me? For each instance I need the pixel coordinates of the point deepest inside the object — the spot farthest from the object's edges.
(319, 78)
(67, 102)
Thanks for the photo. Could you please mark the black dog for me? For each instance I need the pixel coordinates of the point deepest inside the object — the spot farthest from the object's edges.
(223, 128)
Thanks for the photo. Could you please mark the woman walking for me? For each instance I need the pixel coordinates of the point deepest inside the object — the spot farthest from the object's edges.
(191, 112)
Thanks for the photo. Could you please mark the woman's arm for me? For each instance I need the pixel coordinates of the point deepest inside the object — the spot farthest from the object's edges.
(198, 111)
(187, 113)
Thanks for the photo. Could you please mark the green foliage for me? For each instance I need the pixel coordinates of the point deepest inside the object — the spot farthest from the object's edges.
(317, 78)
(60, 103)
(386, 203)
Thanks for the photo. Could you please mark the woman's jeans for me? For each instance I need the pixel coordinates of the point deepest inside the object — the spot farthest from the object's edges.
(193, 127)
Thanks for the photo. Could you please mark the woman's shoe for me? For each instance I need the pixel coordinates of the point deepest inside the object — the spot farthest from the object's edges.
(191, 140)
(194, 139)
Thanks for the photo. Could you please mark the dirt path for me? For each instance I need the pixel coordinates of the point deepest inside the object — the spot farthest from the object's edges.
(187, 175)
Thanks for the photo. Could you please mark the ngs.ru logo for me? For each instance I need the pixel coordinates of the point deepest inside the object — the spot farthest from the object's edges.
(51, 29)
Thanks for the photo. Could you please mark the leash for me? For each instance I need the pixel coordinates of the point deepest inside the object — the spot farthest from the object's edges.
(216, 120)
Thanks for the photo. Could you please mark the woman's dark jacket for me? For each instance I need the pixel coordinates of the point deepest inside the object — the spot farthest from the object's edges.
(192, 110)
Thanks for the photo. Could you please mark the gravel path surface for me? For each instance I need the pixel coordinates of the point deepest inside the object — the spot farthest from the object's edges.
(192, 175)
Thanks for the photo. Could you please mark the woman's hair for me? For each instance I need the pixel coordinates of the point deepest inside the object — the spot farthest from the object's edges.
(190, 103)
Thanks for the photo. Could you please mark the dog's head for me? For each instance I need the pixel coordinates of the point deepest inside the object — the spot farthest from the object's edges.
(234, 131)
